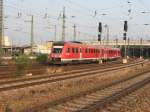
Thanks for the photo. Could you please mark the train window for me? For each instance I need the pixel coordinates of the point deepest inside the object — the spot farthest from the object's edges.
(89, 50)
(68, 50)
(102, 51)
(57, 50)
(86, 50)
(73, 50)
(76, 50)
(94, 50)
(80, 50)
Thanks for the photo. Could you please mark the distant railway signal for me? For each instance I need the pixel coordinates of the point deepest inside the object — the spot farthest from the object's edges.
(125, 26)
(99, 37)
(99, 31)
(124, 36)
(125, 39)
(100, 27)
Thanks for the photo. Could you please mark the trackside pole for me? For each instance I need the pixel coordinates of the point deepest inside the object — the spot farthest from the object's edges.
(99, 38)
(125, 60)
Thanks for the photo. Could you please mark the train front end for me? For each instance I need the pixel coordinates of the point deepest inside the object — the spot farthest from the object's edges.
(56, 54)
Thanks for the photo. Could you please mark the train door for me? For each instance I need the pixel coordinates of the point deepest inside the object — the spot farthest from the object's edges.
(80, 53)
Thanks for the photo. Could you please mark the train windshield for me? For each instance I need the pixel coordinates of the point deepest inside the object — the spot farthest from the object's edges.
(57, 50)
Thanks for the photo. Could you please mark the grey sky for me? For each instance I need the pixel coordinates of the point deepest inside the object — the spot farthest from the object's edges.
(84, 13)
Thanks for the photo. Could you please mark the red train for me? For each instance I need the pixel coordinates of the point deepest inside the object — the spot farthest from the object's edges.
(69, 52)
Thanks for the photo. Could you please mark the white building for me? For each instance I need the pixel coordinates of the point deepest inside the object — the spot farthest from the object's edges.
(43, 48)
(6, 41)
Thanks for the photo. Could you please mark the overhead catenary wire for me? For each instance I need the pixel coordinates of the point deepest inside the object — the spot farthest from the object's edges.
(87, 13)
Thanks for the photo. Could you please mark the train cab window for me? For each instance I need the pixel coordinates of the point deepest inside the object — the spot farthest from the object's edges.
(57, 50)
(76, 50)
(73, 50)
(68, 50)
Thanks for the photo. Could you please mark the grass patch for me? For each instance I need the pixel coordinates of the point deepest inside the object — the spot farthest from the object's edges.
(42, 59)
(22, 62)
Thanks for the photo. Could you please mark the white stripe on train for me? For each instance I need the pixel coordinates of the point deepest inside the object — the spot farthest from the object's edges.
(73, 59)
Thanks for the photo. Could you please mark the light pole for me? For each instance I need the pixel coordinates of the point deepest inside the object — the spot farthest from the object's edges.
(64, 24)
(32, 33)
(1, 24)
(107, 37)
(141, 48)
(74, 32)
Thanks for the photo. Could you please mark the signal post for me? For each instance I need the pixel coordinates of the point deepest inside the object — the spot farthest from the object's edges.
(100, 37)
(125, 60)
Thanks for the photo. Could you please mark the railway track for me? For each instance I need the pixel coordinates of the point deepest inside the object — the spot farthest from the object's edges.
(96, 99)
(38, 80)
(10, 71)
(36, 69)
(128, 102)
(76, 70)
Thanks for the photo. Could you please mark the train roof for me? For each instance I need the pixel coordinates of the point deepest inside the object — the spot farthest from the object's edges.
(62, 43)
(68, 42)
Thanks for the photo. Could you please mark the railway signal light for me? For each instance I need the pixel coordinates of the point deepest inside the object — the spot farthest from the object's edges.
(100, 27)
(125, 26)
(124, 36)
(99, 37)
(99, 31)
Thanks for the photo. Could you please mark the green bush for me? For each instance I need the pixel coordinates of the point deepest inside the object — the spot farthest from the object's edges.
(21, 63)
(42, 58)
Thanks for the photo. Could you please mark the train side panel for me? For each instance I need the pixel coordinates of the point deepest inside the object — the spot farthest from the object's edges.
(70, 52)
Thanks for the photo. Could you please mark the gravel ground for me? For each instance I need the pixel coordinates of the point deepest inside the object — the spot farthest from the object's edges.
(138, 101)
(15, 100)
